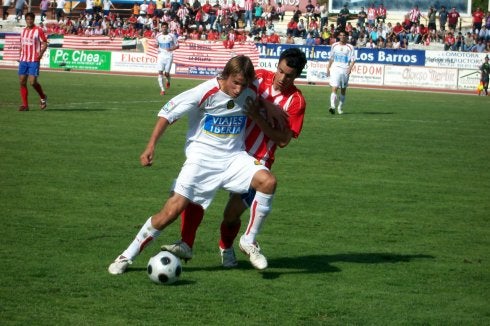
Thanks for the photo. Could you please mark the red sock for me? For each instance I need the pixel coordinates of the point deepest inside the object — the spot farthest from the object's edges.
(228, 234)
(39, 90)
(23, 95)
(191, 219)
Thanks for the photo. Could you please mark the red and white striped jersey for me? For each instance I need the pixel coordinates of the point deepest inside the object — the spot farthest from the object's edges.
(30, 44)
(248, 5)
(291, 100)
(371, 13)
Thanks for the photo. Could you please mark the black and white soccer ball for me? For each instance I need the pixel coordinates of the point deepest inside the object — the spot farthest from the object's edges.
(164, 268)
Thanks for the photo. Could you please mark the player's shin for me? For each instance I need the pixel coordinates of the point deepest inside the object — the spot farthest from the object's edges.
(228, 233)
(160, 82)
(333, 99)
(145, 236)
(191, 219)
(23, 94)
(39, 90)
(260, 208)
(341, 99)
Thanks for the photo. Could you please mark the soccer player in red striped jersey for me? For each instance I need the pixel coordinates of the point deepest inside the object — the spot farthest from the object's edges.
(33, 44)
(262, 140)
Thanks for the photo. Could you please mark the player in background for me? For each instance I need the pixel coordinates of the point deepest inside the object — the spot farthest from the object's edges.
(261, 141)
(215, 155)
(33, 44)
(485, 71)
(166, 43)
(342, 59)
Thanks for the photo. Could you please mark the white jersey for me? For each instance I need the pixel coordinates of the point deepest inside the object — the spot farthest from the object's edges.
(165, 42)
(343, 55)
(217, 121)
(60, 4)
(107, 5)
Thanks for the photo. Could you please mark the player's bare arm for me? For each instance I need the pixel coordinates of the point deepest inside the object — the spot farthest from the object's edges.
(328, 66)
(44, 46)
(351, 65)
(146, 158)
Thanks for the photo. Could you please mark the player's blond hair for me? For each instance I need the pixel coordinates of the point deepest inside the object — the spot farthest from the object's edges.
(241, 64)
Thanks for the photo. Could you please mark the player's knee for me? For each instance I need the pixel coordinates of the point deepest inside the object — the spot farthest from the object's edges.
(267, 182)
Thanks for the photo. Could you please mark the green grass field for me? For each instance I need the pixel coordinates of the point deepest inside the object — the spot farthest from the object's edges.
(381, 215)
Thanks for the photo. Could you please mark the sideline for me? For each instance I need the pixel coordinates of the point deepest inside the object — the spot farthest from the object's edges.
(305, 83)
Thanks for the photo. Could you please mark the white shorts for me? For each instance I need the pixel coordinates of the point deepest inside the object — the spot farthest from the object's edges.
(199, 180)
(339, 78)
(164, 63)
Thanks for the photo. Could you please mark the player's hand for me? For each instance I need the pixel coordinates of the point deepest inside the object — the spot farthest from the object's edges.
(277, 118)
(252, 108)
(146, 158)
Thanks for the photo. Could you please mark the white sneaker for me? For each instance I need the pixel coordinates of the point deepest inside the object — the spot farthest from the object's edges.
(339, 109)
(253, 251)
(228, 258)
(179, 249)
(119, 265)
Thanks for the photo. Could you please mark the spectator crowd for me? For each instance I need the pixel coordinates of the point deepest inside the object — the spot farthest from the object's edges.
(226, 20)
(436, 26)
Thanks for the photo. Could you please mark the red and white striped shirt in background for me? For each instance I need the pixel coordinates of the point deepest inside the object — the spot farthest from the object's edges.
(414, 15)
(371, 13)
(248, 5)
(30, 42)
(182, 13)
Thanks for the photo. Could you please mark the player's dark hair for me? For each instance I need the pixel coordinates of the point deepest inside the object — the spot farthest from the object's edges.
(295, 58)
(30, 14)
(240, 64)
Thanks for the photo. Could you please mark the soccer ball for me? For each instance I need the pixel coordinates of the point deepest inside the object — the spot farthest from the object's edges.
(164, 268)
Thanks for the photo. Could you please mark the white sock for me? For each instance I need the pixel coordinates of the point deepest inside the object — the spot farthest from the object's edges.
(260, 208)
(160, 82)
(341, 100)
(144, 237)
(333, 99)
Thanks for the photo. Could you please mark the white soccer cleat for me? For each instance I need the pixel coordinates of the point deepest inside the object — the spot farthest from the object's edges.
(119, 265)
(253, 251)
(179, 249)
(228, 258)
(339, 110)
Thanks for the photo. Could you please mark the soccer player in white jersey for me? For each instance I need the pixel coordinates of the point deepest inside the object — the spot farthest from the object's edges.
(215, 155)
(342, 59)
(33, 44)
(166, 43)
(262, 140)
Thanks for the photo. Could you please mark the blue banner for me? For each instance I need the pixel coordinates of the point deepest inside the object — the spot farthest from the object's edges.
(363, 55)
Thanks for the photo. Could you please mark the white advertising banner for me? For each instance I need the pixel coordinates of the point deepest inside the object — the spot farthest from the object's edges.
(421, 77)
(362, 74)
(469, 79)
(453, 59)
(367, 74)
(133, 62)
(317, 72)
